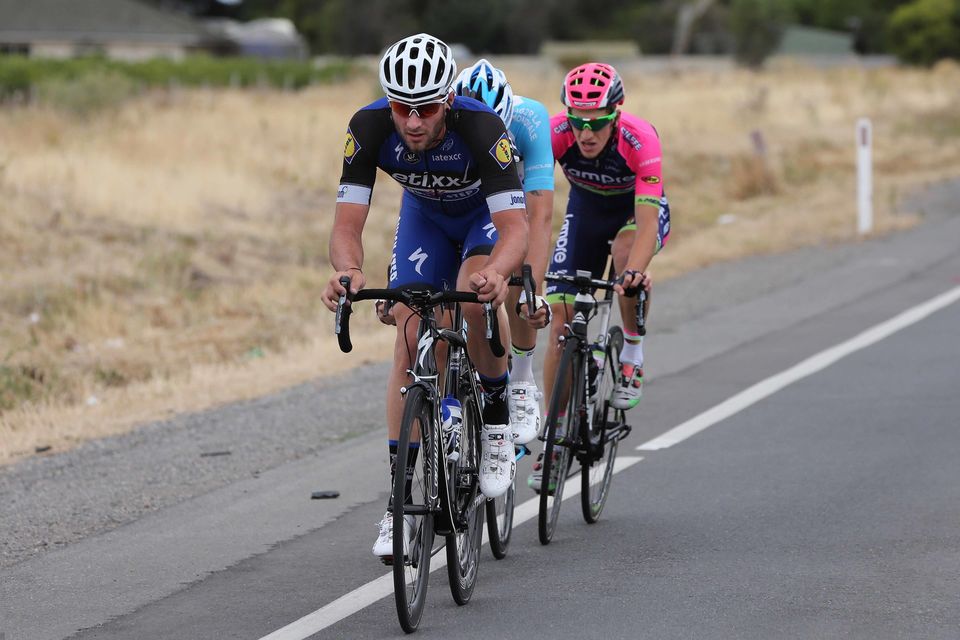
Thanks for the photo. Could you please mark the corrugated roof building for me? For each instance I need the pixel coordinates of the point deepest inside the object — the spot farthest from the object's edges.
(122, 29)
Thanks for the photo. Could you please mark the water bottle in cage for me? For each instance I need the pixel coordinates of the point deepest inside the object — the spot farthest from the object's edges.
(451, 415)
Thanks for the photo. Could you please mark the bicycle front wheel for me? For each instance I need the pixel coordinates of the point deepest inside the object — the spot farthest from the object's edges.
(556, 453)
(413, 518)
(595, 479)
(463, 476)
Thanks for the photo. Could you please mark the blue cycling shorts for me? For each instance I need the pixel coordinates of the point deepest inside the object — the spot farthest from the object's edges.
(430, 245)
(591, 223)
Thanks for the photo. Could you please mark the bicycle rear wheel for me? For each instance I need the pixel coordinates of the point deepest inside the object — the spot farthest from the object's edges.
(596, 478)
(411, 558)
(463, 546)
(556, 455)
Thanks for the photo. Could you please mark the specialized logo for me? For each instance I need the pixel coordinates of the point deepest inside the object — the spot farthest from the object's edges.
(501, 152)
(419, 257)
(351, 147)
(491, 229)
(342, 191)
(423, 347)
(651, 179)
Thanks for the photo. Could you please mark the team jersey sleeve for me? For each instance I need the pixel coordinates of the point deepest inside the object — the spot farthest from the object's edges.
(368, 128)
(489, 144)
(646, 163)
(531, 130)
(560, 136)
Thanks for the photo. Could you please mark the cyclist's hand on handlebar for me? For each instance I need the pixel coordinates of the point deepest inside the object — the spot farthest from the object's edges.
(633, 280)
(541, 317)
(385, 312)
(333, 290)
(490, 286)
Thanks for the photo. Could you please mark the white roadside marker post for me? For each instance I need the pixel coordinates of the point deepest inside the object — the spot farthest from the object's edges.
(864, 176)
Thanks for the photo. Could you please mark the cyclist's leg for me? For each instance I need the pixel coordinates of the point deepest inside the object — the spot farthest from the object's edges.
(421, 254)
(499, 463)
(523, 395)
(631, 358)
(581, 245)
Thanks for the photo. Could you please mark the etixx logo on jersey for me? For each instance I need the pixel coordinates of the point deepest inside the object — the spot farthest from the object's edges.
(351, 147)
(501, 152)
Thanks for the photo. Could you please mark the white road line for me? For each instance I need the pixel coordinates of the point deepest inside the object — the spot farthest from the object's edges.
(382, 587)
(799, 371)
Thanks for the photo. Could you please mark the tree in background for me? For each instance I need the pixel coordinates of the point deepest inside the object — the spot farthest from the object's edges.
(757, 27)
(925, 31)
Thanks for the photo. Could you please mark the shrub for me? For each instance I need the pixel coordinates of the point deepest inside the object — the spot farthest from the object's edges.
(88, 93)
(757, 27)
(64, 80)
(925, 31)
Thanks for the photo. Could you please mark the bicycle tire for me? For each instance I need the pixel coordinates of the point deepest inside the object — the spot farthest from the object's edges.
(596, 477)
(463, 548)
(550, 502)
(412, 574)
(500, 522)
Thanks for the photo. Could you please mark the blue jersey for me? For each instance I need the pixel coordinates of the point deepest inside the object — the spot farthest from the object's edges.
(530, 132)
(472, 168)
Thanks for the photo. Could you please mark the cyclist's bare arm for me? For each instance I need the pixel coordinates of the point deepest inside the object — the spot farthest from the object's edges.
(643, 248)
(540, 216)
(508, 254)
(346, 251)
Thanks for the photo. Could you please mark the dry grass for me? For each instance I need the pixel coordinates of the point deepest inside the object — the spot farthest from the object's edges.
(166, 255)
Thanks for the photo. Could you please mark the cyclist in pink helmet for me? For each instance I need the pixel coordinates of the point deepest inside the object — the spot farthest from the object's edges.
(612, 161)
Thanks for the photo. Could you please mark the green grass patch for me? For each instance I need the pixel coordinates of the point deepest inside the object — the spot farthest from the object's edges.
(84, 84)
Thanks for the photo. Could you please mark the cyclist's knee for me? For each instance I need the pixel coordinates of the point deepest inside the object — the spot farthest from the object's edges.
(560, 313)
(406, 340)
(473, 315)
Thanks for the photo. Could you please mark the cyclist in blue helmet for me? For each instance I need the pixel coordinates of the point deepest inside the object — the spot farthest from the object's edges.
(528, 123)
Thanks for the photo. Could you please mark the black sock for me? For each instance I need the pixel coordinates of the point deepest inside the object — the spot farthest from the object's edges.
(495, 409)
(411, 465)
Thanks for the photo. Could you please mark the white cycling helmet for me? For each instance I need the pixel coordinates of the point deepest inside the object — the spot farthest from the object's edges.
(417, 69)
(489, 85)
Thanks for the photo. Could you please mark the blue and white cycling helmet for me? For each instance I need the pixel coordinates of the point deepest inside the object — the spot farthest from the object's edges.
(489, 85)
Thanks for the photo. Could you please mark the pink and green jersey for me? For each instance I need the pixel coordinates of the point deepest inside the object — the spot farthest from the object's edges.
(629, 165)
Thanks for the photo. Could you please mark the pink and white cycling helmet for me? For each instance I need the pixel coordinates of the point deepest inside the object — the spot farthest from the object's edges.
(593, 85)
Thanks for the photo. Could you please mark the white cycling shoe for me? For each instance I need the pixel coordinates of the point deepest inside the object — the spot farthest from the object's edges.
(523, 399)
(629, 388)
(498, 462)
(383, 547)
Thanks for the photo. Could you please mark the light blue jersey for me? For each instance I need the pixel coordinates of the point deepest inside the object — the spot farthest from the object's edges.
(530, 131)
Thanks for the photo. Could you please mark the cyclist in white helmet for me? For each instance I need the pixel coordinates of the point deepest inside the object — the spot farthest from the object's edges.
(462, 226)
(528, 123)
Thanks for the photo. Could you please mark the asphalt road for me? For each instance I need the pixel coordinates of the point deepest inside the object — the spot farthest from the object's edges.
(826, 509)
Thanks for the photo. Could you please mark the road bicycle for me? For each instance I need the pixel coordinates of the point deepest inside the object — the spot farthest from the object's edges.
(444, 498)
(581, 424)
